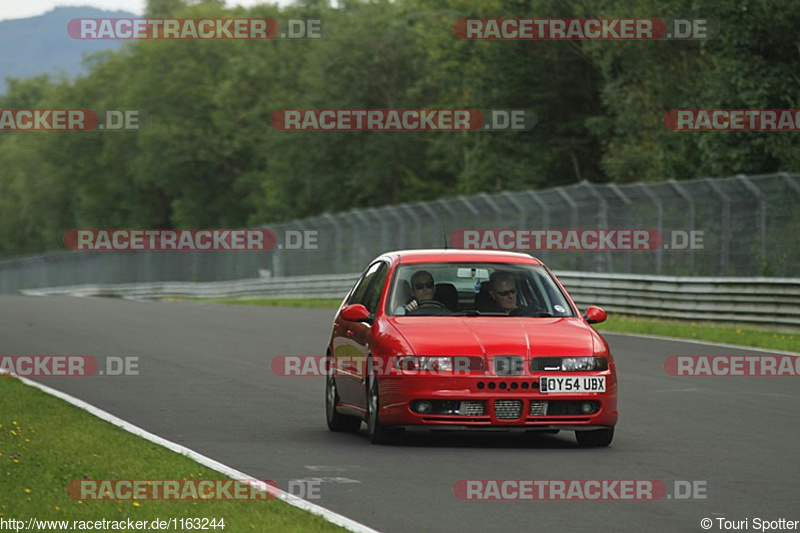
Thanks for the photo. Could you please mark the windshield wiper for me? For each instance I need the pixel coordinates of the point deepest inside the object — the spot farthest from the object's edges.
(535, 313)
(520, 312)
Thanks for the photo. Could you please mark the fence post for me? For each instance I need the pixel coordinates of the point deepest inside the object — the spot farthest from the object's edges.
(360, 244)
(573, 208)
(545, 220)
(518, 206)
(690, 201)
(601, 257)
(629, 222)
(434, 219)
(790, 181)
(384, 241)
(726, 225)
(762, 214)
(498, 213)
(659, 222)
(418, 227)
(453, 220)
(337, 241)
(471, 209)
(401, 222)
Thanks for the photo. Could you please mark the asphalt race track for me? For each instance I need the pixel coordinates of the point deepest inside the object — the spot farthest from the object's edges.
(205, 382)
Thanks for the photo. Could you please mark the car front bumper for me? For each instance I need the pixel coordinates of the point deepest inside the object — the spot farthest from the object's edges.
(511, 401)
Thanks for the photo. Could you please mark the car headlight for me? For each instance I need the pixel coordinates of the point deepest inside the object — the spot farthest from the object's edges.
(583, 364)
(426, 364)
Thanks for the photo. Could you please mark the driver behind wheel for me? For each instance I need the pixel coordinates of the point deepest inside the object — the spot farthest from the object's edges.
(503, 290)
(422, 288)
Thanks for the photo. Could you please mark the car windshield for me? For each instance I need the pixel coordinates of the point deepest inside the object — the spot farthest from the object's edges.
(475, 289)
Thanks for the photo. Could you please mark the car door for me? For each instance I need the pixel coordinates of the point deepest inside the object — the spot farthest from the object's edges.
(353, 339)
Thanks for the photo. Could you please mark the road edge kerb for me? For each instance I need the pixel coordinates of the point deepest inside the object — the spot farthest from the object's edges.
(328, 515)
(697, 341)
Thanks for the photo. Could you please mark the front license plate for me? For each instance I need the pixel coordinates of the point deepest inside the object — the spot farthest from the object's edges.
(573, 385)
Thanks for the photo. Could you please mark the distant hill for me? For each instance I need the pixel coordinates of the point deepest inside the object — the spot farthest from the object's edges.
(41, 45)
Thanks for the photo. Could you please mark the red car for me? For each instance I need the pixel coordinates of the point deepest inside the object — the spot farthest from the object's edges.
(468, 339)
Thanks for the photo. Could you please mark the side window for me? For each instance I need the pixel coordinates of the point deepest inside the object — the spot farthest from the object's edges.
(373, 294)
(358, 294)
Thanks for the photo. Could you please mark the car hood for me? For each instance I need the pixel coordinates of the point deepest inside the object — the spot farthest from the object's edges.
(489, 336)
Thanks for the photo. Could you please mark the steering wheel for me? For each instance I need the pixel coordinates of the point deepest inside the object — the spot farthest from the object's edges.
(432, 303)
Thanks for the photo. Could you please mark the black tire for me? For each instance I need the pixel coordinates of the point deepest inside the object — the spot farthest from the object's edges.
(377, 432)
(595, 439)
(337, 422)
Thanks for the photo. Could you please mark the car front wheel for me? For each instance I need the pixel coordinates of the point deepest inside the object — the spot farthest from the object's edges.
(336, 421)
(378, 433)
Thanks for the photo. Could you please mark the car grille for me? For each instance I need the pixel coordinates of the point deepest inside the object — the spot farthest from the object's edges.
(560, 407)
(508, 409)
(541, 364)
(472, 408)
(451, 407)
(539, 408)
(508, 365)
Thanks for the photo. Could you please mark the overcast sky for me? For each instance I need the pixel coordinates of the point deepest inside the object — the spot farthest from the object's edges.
(15, 9)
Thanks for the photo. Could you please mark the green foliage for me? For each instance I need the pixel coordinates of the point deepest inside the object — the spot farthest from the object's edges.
(210, 158)
(752, 63)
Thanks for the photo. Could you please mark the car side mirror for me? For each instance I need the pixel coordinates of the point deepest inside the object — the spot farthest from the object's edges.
(355, 313)
(595, 315)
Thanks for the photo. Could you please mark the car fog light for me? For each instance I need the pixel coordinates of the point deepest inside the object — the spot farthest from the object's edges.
(587, 408)
(424, 407)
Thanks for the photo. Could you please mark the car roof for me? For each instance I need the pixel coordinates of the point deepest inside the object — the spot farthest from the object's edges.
(458, 255)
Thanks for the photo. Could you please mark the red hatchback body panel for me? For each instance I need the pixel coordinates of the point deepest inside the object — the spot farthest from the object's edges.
(481, 396)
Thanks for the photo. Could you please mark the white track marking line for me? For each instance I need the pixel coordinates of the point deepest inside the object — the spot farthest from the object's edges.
(678, 339)
(330, 516)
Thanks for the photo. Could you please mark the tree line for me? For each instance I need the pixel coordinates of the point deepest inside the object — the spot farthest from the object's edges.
(210, 158)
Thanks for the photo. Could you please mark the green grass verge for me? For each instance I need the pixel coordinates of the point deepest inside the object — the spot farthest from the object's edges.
(789, 342)
(680, 329)
(45, 443)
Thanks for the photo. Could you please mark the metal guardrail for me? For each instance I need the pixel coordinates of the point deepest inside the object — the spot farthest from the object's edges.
(761, 301)
(750, 226)
(330, 286)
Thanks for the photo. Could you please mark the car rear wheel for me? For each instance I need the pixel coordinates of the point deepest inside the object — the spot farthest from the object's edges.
(595, 439)
(378, 433)
(336, 421)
